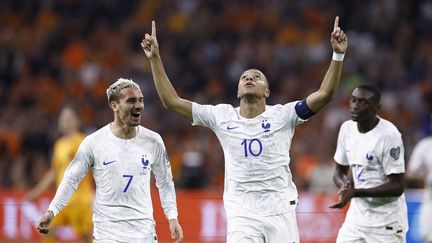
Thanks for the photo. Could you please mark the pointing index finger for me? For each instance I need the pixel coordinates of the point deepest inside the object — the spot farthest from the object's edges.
(153, 29)
(336, 23)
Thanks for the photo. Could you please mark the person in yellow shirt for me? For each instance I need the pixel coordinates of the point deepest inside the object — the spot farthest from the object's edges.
(78, 213)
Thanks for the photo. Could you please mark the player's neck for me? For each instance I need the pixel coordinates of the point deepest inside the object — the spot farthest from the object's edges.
(251, 109)
(367, 125)
(123, 131)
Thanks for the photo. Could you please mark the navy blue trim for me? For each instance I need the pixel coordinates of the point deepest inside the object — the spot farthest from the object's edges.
(303, 110)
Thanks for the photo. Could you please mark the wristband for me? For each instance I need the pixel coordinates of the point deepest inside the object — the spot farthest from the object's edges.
(338, 56)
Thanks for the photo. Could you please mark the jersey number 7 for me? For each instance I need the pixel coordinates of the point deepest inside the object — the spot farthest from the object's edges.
(130, 177)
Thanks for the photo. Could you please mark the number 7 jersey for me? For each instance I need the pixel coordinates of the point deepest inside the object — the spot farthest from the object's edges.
(121, 169)
(258, 180)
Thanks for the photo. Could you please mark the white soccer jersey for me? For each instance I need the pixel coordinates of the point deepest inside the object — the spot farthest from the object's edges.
(373, 156)
(258, 179)
(421, 159)
(121, 169)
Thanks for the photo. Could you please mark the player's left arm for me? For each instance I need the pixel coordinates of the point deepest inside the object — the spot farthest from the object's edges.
(394, 187)
(340, 175)
(165, 184)
(164, 180)
(176, 230)
(317, 100)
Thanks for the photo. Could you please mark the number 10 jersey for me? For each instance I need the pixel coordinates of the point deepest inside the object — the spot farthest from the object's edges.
(258, 180)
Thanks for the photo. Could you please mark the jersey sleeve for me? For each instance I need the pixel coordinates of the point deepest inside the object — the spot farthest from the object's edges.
(74, 173)
(340, 155)
(203, 115)
(393, 154)
(303, 110)
(291, 113)
(164, 181)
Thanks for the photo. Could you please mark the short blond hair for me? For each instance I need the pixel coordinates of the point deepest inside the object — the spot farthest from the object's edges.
(113, 92)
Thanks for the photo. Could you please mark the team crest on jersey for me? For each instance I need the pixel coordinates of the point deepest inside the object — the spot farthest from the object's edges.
(266, 126)
(369, 157)
(395, 153)
(145, 163)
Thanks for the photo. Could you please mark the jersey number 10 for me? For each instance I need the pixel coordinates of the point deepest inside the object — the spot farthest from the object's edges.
(252, 147)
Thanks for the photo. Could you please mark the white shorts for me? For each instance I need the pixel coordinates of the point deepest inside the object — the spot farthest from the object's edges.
(354, 234)
(150, 239)
(260, 229)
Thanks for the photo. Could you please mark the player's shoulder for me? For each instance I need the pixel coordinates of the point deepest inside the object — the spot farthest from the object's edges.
(223, 107)
(97, 136)
(103, 131)
(348, 125)
(387, 128)
(216, 109)
(278, 108)
(148, 134)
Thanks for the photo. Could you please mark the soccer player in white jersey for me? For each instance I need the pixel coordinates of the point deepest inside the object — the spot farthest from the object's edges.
(420, 168)
(121, 156)
(370, 171)
(259, 197)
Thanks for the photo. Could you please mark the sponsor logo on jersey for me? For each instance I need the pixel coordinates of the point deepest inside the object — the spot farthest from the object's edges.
(231, 128)
(108, 162)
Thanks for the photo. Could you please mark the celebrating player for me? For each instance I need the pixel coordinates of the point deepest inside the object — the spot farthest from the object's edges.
(260, 197)
(121, 155)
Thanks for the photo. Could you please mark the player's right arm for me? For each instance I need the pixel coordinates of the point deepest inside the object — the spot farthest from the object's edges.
(340, 174)
(169, 97)
(74, 173)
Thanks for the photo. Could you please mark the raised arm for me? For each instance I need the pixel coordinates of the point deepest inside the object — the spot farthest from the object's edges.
(169, 97)
(317, 100)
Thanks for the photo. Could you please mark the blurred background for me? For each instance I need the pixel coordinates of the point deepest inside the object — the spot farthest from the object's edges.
(54, 53)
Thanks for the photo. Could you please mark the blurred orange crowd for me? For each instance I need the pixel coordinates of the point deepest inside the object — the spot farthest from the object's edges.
(58, 52)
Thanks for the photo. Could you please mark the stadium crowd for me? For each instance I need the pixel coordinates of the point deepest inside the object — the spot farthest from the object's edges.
(58, 52)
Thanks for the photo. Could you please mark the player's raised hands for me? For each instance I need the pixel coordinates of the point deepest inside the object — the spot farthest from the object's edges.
(339, 40)
(150, 44)
(45, 221)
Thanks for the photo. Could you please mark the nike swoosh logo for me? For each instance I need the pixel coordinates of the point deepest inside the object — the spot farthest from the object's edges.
(231, 128)
(109, 162)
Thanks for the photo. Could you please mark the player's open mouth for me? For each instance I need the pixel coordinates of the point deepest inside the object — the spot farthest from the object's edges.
(249, 84)
(136, 115)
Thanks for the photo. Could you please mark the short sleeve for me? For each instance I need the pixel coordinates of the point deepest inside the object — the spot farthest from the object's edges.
(203, 115)
(291, 114)
(340, 155)
(393, 154)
